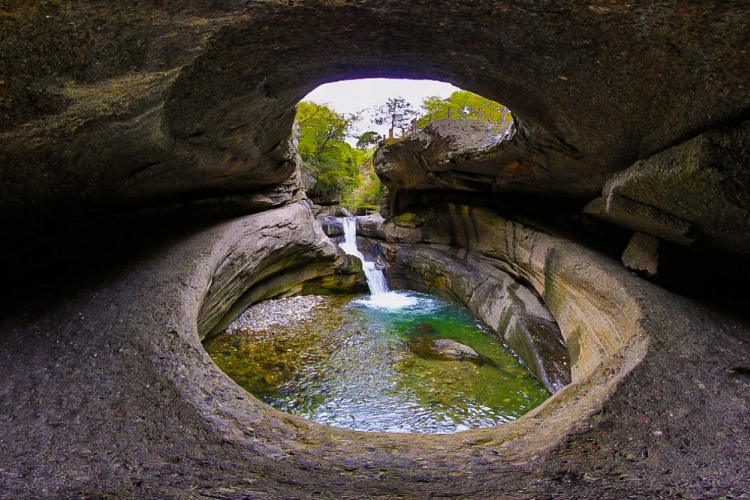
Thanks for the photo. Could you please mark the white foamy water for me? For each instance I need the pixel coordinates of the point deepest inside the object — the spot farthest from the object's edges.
(380, 295)
(388, 300)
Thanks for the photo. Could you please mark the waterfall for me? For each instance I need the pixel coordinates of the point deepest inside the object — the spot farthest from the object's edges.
(375, 277)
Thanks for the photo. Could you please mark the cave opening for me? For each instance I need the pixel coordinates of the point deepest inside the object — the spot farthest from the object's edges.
(113, 110)
(343, 124)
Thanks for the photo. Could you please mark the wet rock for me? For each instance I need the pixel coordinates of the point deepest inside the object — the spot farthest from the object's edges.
(332, 226)
(371, 226)
(511, 309)
(427, 346)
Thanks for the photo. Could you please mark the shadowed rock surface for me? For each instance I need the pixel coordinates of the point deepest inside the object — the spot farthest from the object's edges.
(149, 189)
(694, 193)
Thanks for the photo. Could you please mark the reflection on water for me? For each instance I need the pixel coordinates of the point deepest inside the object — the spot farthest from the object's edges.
(353, 368)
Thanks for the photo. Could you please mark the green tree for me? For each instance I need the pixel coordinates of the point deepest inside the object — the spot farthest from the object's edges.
(325, 153)
(368, 193)
(395, 112)
(435, 108)
(322, 130)
(368, 139)
(463, 104)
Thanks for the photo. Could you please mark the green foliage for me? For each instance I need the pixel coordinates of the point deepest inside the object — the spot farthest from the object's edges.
(369, 139)
(325, 153)
(322, 131)
(463, 104)
(338, 176)
(396, 112)
(368, 193)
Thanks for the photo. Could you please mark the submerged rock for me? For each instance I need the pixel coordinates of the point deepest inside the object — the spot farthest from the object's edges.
(426, 346)
(422, 329)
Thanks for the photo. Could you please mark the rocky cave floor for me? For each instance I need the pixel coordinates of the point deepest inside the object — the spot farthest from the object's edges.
(104, 395)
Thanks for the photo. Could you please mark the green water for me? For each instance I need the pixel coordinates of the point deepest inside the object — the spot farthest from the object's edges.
(352, 368)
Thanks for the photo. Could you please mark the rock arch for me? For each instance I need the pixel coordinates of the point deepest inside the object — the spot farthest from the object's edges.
(195, 101)
(114, 112)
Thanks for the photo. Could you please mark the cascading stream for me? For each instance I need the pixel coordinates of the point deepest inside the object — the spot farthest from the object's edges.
(380, 296)
(375, 277)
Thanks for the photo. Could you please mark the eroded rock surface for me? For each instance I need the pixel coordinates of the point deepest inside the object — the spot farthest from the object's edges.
(448, 154)
(282, 252)
(695, 193)
(512, 310)
(128, 404)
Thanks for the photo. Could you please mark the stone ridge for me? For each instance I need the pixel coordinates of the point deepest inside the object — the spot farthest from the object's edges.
(276, 255)
(695, 192)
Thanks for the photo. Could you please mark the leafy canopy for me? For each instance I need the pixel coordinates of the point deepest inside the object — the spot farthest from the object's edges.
(463, 104)
(323, 131)
(396, 112)
(325, 153)
(369, 139)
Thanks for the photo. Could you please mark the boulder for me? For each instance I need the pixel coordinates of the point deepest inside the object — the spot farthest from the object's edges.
(457, 154)
(642, 254)
(697, 192)
(332, 226)
(371, 226)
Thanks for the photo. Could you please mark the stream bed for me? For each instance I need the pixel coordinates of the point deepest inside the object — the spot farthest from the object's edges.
(354, 363)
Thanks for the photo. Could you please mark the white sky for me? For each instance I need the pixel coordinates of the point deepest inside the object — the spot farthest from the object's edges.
(352, 96)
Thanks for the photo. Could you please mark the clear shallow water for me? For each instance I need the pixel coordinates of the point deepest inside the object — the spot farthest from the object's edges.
(352, 368)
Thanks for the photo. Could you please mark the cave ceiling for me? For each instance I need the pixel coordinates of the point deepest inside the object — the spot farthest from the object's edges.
(106, 108)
